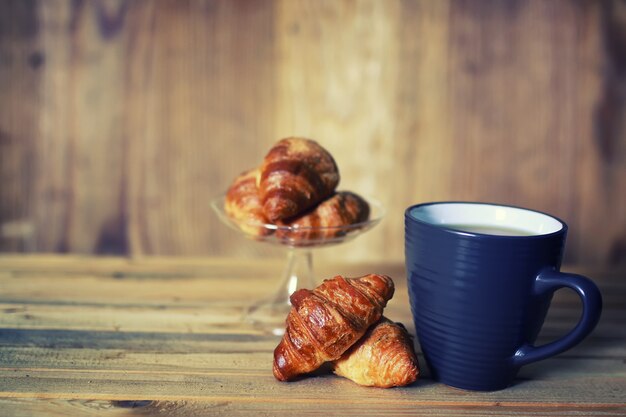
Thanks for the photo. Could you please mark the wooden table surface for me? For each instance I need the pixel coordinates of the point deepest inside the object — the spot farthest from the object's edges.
(162, 336)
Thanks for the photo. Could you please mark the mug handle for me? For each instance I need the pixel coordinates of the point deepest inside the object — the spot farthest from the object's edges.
(550, 280)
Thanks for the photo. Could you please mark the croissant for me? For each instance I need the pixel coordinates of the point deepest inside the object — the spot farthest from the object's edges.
(242, 204)
(295, 175)
(384, 357)
(342, 209)
(325, 322)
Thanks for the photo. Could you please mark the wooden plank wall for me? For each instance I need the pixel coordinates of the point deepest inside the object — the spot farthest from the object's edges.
(120, 119)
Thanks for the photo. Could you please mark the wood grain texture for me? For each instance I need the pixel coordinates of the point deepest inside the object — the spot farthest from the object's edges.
(61, 407)
(201, 102)
(601, 171)
(20, 61)
(119, 119)
(161, 336)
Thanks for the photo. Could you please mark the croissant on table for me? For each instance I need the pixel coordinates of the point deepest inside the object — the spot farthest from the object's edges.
(325, 322)
(295, 175)
(342, 209)
(384, 357)
(243, 205)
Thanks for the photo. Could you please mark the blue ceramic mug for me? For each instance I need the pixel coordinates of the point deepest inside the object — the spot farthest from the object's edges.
(481, 278)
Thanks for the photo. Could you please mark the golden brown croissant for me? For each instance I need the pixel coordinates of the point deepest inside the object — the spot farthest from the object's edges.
(295, 175)
(325, 322)
(342, 209)
(242, 204)
(383, 358)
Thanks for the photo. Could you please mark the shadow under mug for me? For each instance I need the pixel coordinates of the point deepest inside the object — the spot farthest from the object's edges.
(479, 298)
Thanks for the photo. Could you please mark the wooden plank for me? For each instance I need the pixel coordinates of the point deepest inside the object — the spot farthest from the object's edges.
(27, 407)
(191, 304)
(241, 267)
(71, 280)
(223, 318)
(118, 331)
(210, 354)
(204, 103)
(82, 137)
(120, 84)
(151, 287)
(137, 267)
(320, 389)
(154, 342)
(601, 153)
(200, 318)
(173, 357)
(510, 102)
(201, 359)
(424, 141)
(337, 65)
(21, 61)
(159, 319)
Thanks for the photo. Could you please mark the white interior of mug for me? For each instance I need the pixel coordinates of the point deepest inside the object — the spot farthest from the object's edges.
(451, 215)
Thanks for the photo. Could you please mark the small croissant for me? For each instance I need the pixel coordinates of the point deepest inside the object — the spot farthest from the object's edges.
(295, 175)
(243, 206)
(325, 322)
(328, 219)
(384, 357)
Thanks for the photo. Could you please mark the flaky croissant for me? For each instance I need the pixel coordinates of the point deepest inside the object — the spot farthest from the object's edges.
(384, 357)
(325, 322)
(296, 174)
(243, 206)
(342, 209)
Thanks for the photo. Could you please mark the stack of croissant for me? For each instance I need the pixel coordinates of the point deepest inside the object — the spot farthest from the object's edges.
(341, 322)
(294, 186)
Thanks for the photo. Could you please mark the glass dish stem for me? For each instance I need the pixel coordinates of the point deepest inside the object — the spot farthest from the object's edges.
(298, 273)
(272, 311)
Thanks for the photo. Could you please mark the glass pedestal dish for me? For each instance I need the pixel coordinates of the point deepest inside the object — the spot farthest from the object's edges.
(268, 314)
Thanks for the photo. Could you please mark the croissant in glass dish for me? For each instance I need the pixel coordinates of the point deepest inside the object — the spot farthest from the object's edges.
(243, 206)
(295, 175)
(384, 357)
(325, 322)
(327, 220)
